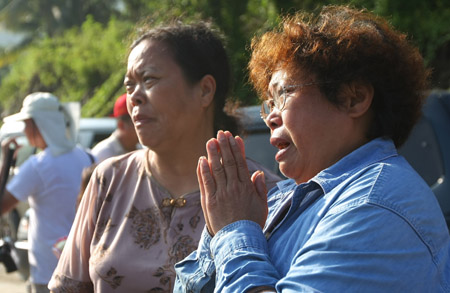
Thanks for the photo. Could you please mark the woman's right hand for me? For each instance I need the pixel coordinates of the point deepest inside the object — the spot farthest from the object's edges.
(8, 145)
(228, 193)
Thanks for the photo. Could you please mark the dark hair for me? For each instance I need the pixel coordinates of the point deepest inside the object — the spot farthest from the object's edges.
(85, 177)
(199, 50)
(342, 45)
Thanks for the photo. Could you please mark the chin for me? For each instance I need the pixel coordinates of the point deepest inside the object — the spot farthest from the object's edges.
(291, 172)
(147, 143)
(148, 139)
(285, 171)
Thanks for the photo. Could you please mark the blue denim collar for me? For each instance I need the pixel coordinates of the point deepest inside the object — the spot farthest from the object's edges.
(372, 152)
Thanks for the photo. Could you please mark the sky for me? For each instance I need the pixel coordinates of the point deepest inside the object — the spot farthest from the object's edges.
(9, 39)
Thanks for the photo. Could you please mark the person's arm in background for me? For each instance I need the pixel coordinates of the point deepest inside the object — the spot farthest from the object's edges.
(8, 201)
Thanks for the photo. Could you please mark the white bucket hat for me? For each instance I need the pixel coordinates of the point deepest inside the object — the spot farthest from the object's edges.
(52, 119)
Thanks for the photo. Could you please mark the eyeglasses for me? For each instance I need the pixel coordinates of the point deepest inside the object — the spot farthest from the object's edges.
(278, 99)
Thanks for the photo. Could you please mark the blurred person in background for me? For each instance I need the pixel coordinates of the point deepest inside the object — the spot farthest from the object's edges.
(49, 181)
(341, 92)
(123, 139)
(141, 212)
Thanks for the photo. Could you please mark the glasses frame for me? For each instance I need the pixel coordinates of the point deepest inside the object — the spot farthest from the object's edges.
(278, 99)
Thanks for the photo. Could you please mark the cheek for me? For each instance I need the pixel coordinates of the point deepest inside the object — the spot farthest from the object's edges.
(297, 123)
(28, 131)
(306, 131)
(312, 119)
(172, 108)
(129, 106)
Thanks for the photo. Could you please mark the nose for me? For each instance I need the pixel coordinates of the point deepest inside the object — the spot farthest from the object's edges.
(274, 120)
(137, 97)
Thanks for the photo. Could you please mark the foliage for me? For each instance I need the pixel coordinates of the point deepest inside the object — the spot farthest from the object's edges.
(81, 58)
(76, 66)
(427, 24)
(50, 17)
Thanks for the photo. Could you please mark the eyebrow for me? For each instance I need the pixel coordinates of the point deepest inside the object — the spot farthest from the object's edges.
(141, 71)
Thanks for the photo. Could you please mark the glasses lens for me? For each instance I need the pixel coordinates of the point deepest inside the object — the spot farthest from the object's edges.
(266, 108)
(279, 99)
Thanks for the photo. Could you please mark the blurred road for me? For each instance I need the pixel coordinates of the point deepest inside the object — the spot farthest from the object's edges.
(12, 282)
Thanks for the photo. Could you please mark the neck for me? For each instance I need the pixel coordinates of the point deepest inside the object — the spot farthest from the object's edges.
(175, 169)
(176, 174)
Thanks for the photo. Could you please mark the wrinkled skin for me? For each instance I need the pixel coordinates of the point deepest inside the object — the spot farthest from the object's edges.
(228, 192)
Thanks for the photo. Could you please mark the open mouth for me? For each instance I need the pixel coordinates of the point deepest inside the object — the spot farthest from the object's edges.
(282, 145)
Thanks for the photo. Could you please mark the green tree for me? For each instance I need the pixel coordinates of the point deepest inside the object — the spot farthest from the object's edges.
(50, 17)
(81, 59)
(427, 24)
(84, 64)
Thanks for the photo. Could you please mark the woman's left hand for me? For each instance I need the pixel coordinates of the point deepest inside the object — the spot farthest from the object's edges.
(228, 192)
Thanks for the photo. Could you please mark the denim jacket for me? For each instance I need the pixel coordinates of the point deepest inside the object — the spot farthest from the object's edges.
(369, 223)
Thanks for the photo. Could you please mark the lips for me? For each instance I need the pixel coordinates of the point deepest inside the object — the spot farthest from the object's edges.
(282, 145)
(140, 119)
(279, 142)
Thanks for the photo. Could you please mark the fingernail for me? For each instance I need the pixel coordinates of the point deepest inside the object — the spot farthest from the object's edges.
(221, 136)
(232, 141)
(212, 145)
(204, 163)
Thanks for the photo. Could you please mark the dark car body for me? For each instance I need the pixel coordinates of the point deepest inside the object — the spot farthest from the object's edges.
(428, 148)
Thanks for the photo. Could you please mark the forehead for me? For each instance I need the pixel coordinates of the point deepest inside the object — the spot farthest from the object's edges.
(288, 76)
(279, 77)
(149, 53)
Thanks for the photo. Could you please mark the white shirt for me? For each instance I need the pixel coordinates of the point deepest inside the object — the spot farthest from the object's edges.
(51, 186)
(108, 147)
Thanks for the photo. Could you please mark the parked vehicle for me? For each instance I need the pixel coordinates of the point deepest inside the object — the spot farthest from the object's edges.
(93, 130)
(428, 148)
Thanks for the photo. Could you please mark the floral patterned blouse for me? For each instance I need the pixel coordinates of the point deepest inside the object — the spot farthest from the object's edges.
(129, 232)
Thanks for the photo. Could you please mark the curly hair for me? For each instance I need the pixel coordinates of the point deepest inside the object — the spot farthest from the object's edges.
(341, 45)
(198, 48)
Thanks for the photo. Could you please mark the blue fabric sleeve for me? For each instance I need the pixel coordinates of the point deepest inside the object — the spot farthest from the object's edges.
(241, 256)
(196, 272)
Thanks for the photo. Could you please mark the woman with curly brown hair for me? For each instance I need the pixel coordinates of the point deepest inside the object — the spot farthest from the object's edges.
(341, 92)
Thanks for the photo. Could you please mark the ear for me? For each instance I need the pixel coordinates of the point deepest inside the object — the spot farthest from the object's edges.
(208, 89)
(356, 98)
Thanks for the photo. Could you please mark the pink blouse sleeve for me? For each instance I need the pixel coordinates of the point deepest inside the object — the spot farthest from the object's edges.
(72, 271)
